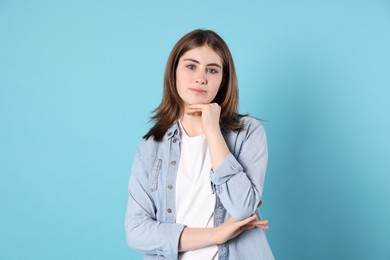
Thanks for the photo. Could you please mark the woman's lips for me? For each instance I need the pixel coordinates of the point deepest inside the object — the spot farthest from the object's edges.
(198, 90)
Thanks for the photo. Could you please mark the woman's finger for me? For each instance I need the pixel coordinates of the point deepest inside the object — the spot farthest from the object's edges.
(197, 106)
(193, 108)
(259, 222)
(193, 111)
(251, 226)
(247, 220)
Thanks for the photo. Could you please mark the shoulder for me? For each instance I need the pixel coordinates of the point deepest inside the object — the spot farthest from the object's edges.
(250, 121)
(251, 126)
(148, 146)
(151, 146)
(249, 139)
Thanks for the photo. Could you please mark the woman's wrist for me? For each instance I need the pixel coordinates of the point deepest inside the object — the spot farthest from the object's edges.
(215, 237)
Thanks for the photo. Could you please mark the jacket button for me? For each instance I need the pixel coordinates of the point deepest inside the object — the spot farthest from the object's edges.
(170, 187)
(170, 133)
(169, 210)
(173, 162)
(174, 140)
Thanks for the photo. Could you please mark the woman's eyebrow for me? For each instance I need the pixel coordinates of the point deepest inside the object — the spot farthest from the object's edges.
(210, 64)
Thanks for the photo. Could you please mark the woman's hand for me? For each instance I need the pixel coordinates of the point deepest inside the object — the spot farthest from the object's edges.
(209, 113)
(196, 238)
(232, 228)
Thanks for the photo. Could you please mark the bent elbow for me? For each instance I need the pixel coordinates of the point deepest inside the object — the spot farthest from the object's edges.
(242, 213)
(130, 235)
(138, 238)
(134, 237)
(245, 210)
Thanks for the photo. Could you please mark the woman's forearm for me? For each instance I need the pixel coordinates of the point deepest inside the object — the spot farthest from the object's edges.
(218, 148)
(196, 238)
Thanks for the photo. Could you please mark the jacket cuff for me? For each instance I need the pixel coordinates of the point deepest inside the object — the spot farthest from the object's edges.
(168, 237)
(228, 167)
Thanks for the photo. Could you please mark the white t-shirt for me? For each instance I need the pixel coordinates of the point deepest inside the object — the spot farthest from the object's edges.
(195, 201)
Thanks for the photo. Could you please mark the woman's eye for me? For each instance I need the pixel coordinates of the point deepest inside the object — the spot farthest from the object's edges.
(190, 66)
(212, 71)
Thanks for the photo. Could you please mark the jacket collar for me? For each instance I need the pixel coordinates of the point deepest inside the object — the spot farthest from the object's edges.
(173, 131)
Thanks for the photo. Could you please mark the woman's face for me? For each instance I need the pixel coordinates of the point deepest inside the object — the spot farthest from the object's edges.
(199, 75)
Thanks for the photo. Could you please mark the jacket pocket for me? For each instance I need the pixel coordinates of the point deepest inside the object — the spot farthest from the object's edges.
(153, 178)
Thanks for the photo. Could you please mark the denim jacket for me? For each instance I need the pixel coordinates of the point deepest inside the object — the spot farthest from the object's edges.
(238, 184)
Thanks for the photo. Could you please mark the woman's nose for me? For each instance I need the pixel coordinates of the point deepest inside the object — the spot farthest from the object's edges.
(200, 78)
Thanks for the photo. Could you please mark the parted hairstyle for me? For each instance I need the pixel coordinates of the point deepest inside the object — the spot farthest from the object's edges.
(171, 107)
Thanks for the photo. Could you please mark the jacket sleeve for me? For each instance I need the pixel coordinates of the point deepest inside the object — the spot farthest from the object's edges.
(143, 232)
(239, 180)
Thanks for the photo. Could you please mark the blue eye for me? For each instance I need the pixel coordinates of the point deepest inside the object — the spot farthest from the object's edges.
(191, 66)
(212, 71)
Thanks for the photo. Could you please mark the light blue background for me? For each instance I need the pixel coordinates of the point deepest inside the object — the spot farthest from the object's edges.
(78, 80)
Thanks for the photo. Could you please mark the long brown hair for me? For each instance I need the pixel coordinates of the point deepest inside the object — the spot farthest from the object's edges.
(172, 105)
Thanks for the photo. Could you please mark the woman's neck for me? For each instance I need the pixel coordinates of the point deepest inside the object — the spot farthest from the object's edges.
(192, 124)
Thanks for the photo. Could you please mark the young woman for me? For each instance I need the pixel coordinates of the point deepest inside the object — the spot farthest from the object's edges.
(198, 175)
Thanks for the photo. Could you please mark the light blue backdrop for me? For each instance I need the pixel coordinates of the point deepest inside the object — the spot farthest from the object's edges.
(78, 80)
